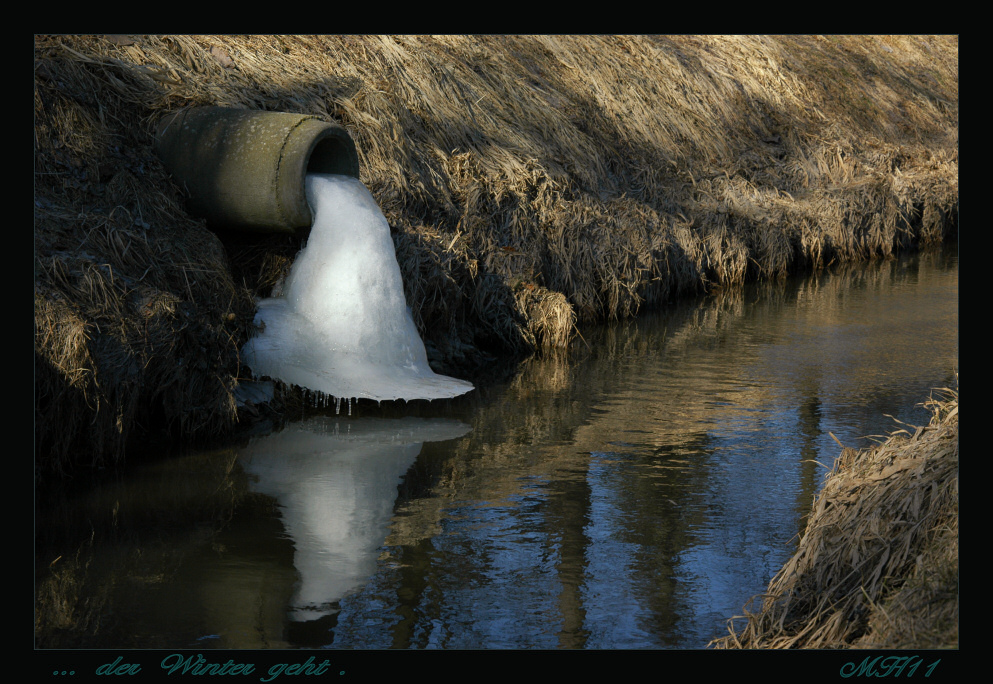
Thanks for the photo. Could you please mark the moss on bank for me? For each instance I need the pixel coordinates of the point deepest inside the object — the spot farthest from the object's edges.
(531, 182)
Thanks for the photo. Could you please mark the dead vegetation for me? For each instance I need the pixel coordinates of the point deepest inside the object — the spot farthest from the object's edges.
(532, 183)
(877, 566)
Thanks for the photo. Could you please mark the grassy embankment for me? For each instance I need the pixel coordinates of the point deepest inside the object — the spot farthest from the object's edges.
(532, 184)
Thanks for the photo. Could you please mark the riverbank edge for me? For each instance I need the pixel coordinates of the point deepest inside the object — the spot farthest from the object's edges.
(877, 565)
(532, 183)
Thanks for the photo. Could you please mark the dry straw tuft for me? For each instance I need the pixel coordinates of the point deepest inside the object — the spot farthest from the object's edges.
(877, 566)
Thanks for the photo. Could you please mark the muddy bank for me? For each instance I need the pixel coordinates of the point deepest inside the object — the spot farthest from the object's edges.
(531, 183)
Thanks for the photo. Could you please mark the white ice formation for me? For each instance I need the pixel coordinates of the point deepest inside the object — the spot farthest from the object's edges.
(342, 326)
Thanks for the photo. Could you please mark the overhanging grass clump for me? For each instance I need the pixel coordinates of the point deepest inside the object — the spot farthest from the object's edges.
(877, 566)
(532, 183)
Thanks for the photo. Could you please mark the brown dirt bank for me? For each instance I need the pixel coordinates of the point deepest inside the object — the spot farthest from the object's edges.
(877, 566)
(532, 183)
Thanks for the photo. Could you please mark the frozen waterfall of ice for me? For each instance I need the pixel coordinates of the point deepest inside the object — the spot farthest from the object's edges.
(342, 326)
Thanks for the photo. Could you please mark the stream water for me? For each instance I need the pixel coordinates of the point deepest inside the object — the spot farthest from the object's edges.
(635, 492)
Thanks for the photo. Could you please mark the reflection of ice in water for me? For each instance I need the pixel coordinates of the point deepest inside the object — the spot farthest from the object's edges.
(336, 483)
(343, 327)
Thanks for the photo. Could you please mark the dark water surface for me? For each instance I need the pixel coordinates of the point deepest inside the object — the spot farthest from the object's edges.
(634, 493)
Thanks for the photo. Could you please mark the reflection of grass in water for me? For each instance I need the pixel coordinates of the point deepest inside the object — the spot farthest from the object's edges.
(62, 617)
(121, 537)
(555, 398)
(546, 404)
(553, 394)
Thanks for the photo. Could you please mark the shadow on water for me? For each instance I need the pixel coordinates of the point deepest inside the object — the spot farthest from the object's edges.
(633, 492)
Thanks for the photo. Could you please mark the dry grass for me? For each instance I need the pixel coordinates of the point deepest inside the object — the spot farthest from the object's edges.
(532, 182)
(877, 566)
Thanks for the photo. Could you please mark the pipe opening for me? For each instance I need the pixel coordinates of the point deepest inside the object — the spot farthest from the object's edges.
(332, 154)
